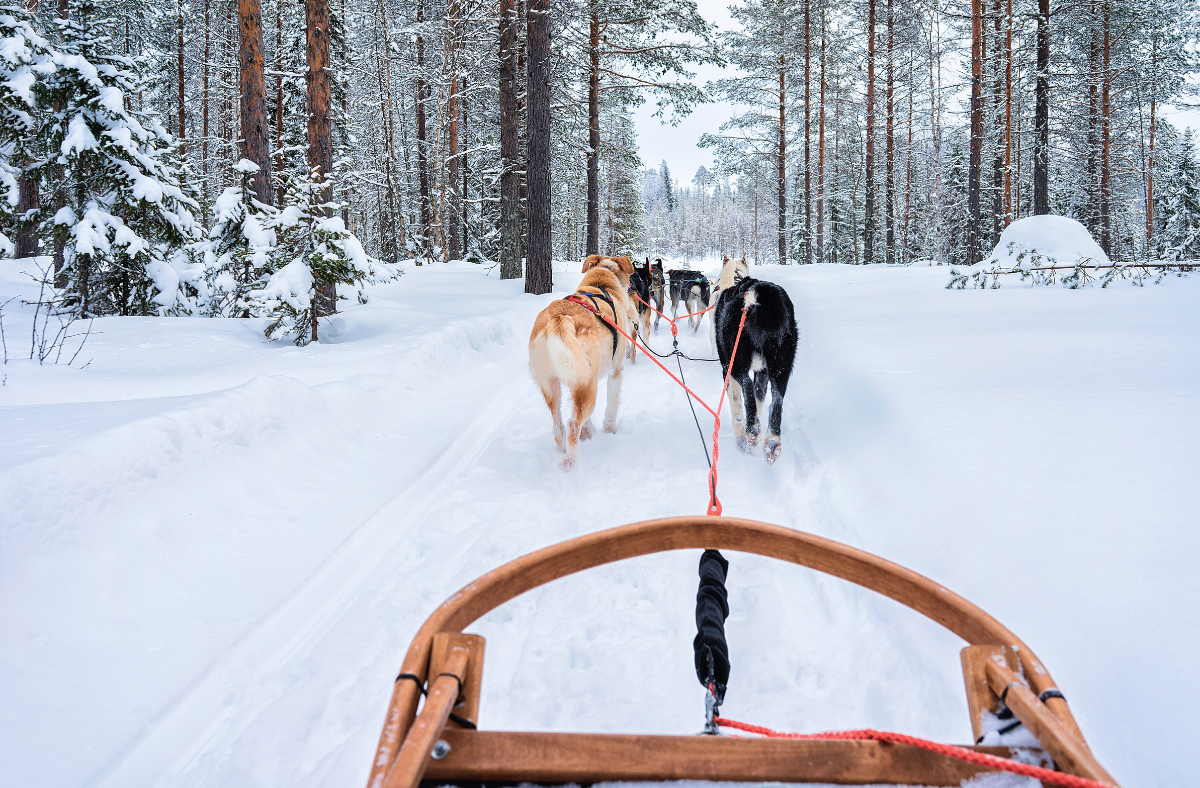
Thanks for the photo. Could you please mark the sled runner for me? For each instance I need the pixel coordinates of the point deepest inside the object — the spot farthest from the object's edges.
(442, 746)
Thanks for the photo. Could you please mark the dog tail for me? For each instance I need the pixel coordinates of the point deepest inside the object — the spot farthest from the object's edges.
(567, 356)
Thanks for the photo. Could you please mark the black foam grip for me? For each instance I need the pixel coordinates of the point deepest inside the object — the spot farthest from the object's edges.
(712, 608)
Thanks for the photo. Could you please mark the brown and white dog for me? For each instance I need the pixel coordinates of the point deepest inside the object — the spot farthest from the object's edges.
(571, 346)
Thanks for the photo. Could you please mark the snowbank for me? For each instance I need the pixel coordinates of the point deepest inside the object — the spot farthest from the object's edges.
(1056, 239)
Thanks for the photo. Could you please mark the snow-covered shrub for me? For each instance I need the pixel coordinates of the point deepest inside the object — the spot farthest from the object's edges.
(314, 253)
(24, 58)
(118, 204)
(1045, 249)
(238, 246)
(1177, 205)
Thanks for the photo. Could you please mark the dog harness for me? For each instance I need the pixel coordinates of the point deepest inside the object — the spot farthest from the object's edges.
(596, 308)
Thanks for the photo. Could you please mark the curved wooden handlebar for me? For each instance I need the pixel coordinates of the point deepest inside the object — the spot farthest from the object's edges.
(685, 533)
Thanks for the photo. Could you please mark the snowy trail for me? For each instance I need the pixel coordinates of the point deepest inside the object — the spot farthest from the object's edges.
(204, 714)
(245, 583)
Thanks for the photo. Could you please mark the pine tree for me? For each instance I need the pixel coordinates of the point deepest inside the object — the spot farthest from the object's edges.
(117, 203)
(668, 190)
(314, 253)
(238, 247)
(25, 57)
(1178, 204)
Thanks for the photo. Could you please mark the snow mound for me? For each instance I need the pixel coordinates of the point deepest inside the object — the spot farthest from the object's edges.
(1056, 239)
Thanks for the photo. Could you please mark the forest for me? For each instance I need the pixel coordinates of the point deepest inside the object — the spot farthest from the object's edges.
(244, 158)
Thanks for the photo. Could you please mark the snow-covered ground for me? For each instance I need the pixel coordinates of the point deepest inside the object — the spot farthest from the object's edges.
(215, 550)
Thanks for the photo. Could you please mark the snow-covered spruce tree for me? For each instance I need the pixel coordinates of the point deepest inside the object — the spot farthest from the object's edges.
(115, 201)
(25, 57)
(238, 246)
(314, 250)
(1177, 204)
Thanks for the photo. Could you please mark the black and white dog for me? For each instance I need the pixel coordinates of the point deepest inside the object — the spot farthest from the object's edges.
(639, 285)
(765, 353)
(691, 287)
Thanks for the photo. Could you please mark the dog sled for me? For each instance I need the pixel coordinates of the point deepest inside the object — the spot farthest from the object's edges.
(442, 745)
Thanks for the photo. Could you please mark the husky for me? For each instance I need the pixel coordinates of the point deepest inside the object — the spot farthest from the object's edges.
(766, 352)
(572, 345)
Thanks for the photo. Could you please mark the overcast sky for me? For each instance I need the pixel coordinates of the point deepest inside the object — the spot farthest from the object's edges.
(677, 144)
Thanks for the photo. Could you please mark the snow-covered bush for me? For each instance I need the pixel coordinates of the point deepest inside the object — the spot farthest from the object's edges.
(24, 58)
(118, 204)
(238, 246)
(314, 253)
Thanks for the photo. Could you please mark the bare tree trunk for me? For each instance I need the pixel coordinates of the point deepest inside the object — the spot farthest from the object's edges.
(454, 201)
(889, 207)
(808, 229)
(204, 97)
(1106, 136)
(997, 135)
(255, 133)
(422, 142)
(1041, 115)
(905, 244)
(539, 274)
(180, 75)
(974, 174)
(279, 195)
(466, 169)
(1150, 185)
(60, 248)
(821, 153)
(593, 155)
(781, 175)
(869, 206)
(1008, 120)
(510, 179)
(28, 198)
(319, 131)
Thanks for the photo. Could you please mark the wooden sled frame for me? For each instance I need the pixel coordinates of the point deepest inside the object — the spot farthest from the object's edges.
(432, 746)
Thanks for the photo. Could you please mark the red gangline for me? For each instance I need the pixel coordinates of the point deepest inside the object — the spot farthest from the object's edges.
(961, 753)
(714, 505)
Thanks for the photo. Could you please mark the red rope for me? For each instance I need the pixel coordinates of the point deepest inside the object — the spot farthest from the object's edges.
(714, 504)
(961, 753)
(671, 320)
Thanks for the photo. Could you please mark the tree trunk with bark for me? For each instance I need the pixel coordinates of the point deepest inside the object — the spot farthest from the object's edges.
(539, 274)
(1106, 133)
(808, 228)
(256, 134)
(781, 174)
(320, 130)
(1041, 115)
(422, 140)
(454, 199)
(889, 206)
(510, 154)
(821, 154)
(975, 169)
(180, 76)
(593, 154)
(869, 202)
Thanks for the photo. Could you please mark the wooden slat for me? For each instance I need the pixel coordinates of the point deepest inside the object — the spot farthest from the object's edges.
(443, 692)
(1039, 680)
(1070, 754)
(980, 697)
(681, 533)
(467, 706)
(493, 756)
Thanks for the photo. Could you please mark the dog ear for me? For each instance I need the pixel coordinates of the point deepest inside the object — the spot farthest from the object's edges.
(589, 262)
(625, 264)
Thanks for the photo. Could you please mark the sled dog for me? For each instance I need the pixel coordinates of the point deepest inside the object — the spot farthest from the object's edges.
(572, 346)
(691, 287)
(765, 355)
(639, 286)
(658, 289)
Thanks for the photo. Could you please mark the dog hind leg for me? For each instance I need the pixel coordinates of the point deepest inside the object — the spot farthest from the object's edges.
(739, 417)
(773, 444)
(747, 384)
(614, 401)
(552, 392)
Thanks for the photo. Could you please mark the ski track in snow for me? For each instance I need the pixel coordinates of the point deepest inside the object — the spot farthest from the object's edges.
(913, 442)
(204, 715)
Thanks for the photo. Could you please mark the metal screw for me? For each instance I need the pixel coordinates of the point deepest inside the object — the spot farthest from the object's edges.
(441, 749)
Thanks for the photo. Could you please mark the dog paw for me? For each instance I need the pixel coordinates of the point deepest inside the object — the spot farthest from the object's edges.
(586, 431)
(771, 449)
(752, 439)
(567, 464)
(744, 445)
(610, 427)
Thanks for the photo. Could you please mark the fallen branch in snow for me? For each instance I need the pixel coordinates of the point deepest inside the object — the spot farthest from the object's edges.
(1083, 273)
